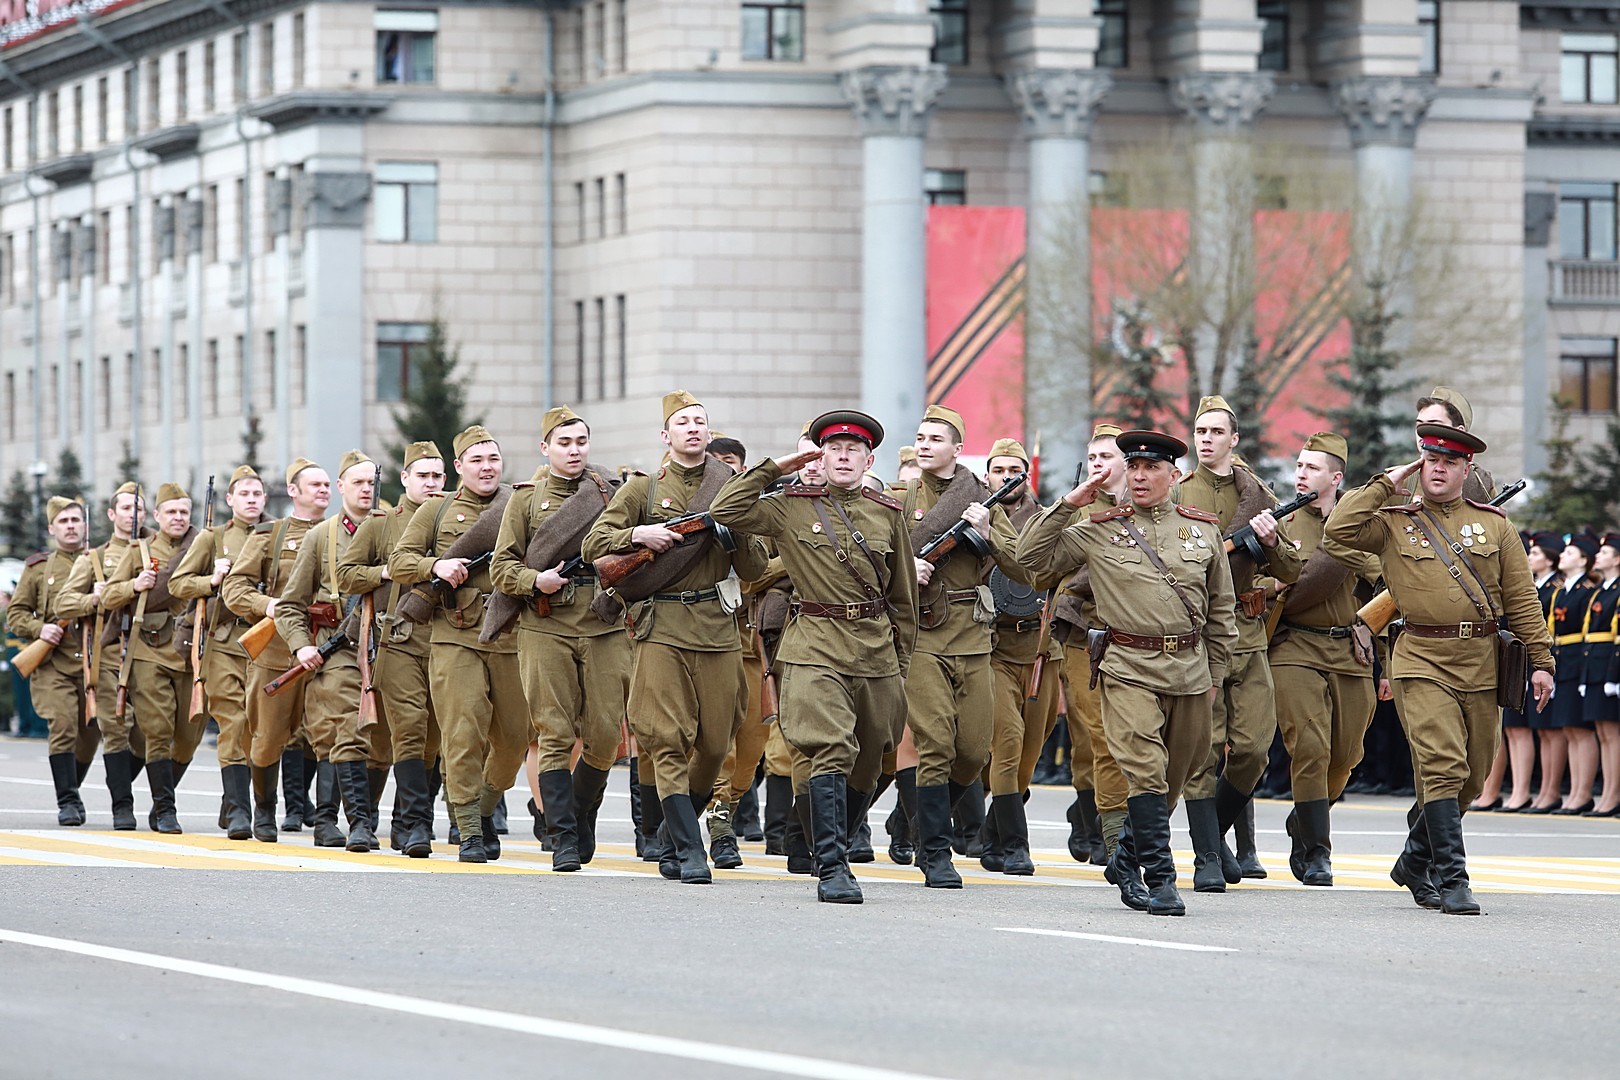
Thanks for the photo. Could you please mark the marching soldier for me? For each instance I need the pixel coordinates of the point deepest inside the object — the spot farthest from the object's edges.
(1244, 720)
(847, 645)
(160, 676)
(311, 612)
(197, 576)
(687, 686)
(476, 685)
(401, 669)
(1458, 573)
(250, 590)
(123, 750)
(57, 684)
(575, 665)
(1321, 661)
(1158, 569)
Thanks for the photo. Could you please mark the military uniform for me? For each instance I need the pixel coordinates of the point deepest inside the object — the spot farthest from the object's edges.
(575, 666)
(847, 645)
(1444, 664)
(1600, 662)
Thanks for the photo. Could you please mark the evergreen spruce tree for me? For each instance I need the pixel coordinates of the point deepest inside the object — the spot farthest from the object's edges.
(68, 478)
(1140, 402)
(434, 406)
(19, 517)
(1570, 491)
(1603, 465)
(1370, 420)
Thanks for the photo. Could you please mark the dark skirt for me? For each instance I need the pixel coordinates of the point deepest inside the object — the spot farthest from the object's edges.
(1564, 711)
(1596, 707)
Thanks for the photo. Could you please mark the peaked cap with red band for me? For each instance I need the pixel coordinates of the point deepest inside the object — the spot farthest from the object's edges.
(1445, 439)
(846, 422)
(1150, 446)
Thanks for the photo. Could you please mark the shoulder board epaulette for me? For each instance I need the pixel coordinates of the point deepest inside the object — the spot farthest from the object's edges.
(523, 485)
(1409, 508)
(881, 499)
(36, 558)
(805, 491)
(1110, 515)
(264, 526)
(1196, 514)
(1486, 506)
(385, 513)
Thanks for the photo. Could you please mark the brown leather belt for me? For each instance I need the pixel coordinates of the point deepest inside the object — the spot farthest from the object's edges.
(1320, 631)
(1464, 631)
(1021, 626)
(961, 596)
(1164, 644)
(868, 609)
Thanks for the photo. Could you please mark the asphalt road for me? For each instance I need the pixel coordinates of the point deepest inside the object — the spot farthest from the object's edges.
(132, 957)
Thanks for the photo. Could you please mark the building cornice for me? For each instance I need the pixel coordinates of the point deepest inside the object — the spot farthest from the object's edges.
(1574, 131)
(170, 142)
(1570, 15)
(302, 107)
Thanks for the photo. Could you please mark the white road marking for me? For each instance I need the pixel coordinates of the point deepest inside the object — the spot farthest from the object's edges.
(59, 858)
(613, 1038)
(1178, 946)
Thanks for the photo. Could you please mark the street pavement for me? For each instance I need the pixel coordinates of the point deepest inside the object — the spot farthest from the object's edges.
(134, 955)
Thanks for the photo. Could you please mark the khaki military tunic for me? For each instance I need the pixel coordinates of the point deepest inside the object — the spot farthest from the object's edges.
(224, 660)
(57, 685)
(77, 601)
(400, 675)
(575, 667)
(840, 681)
(258, 576)
(477, 689)
(1445, 688)
(686, 685)
(1155, 704)
(160, 677)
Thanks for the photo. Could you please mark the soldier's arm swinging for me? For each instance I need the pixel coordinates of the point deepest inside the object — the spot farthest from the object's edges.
(743, 505)
(193, 576)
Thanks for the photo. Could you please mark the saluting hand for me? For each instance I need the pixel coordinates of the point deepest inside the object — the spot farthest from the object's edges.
(1399, 473)
(1541, 685)
(1086, 491)
(792, 463)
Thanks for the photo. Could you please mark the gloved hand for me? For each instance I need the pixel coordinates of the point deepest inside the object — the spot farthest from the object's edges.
(1583, 689)
(1611, 689)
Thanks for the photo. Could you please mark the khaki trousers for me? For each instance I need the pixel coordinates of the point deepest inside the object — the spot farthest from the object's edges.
(576, 688)
(332, 710)
(1243, 723)
(1453, 734)
(1085, 708)
(684, 707)
(225, 684)
(274, 720)
(59, 698)
(950, 702)
(841, 723)
(404, 692)
(1157, 739)
(1020, 726)
(748, 746)
(162, 698)
(1324, 717)
(478, 697)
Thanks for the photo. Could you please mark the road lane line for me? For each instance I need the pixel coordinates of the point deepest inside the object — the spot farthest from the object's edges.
(1178, 946)
(738, 1057)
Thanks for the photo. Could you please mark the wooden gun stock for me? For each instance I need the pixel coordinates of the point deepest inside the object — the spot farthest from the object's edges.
(1037, 672)
(256, 638)
(770, 702)
(1378, 612)
(612, 569)
(92, 664)
(287, 678)
(33, 654)
(368, 692)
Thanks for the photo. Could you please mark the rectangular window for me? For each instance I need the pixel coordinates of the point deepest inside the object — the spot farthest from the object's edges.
(580, 65)
(406, 46)
(8, 271)
(601, 348)
(400, 347)
(104, 248)
(268, 388)
(1590, 66)
(621, 207)
(295, 219)
(239, 46)
(1113, 49)
(243, 380)
(210, 244)
(267, 58)
(601, 207)
(1271, 193)
(622, 364)
(103, 106)
(1107, 189)
(300, 365)
(407, 202)
(76, 406)
(945, 187)
(621, 37)
(10, 152)
(131, 106)
(182, 383)
(579, 349)
(53, 124)
(154, 92)
(156, 253)
(211, 377)
(1586, 376)
(152, 406)
(53, 402)
(104, 392)
(182, 88)
(599, 57)
(240, 206)
(950, 32)
(579, 202)
(1586, 221)
(78, 117)
(209, 89)
(773, 31)
(1429, 23)
(269, 216)
(1273, 35)
(132, 226)
(298, 51)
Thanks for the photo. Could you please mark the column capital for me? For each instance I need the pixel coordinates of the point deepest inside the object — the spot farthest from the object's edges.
(894, 100)
(1384, 110)
(1057, 103)
(1222, 102)
(336, 199)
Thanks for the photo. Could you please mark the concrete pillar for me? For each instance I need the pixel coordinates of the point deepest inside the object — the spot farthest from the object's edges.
(164, 302)
(193, 209)
(334, 265)
(1383, 113)
(62, 256)
(892, 106)
(1540, 211)
(1056, 108)
(87, 241)
(280, 195)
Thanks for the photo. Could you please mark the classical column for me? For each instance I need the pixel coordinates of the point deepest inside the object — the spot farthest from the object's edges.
(280, 194)
(1383, 113)
(62, 254)
(87, 348)
(1056, 108)
(165, 310)
(892, 105)
(193, 211)
(1222, 106)
(1540, 211)
(334, 309)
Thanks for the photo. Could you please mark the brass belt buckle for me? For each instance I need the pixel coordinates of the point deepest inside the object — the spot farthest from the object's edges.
(852, 611)
(1465, 631)
(1171, 644)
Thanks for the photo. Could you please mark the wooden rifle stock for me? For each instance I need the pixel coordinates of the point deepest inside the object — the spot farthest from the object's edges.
(199, 619)
(256, 638)
(770, 702)
(612, 569)
(92, 657)
(32, 655)
(126, 662)
(368, 692)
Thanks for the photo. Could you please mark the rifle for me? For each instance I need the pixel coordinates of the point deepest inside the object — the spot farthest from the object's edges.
(1380, 611)
(28, 659)
(367, 648)
(612, 569)
(1244, 541)
(199, 617)
(963, 533)
(132, 621)
(427, 593)
(92, 666)
(256, 638)
(340, 639)
(542, 601)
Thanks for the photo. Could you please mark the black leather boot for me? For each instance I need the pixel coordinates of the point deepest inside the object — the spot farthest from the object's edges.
(292, 788)
(1248, 858)
(1079, 835)
(356, 789)
(120, 773)
(681, 824)
(1012, 832)
(1412, 866)
(492, 838)
(327, 833)
(933, 824)
(498, 818)
(1206, 845)
(310, 774)
(1123, 871)
(636, 810)
(655, 842)
(1309, 855)
(829, 805)
(160, 778)
(81, 769)
(376, 786)
(988, 844)
(469, 841)
(901, 824)
(723, 837)
(69, 809)
(1444, 820)
(1150, 828)
(590, 784)
(797, 838)
(745, 818)
(415, 813)
(557, 792)
(778, 805)
(264, 802)
(538, 825)
(1229, 804)
(435, 782)
(859, 849)
(236, 781)
(1094, 829)
(179, 769)
(968, 814)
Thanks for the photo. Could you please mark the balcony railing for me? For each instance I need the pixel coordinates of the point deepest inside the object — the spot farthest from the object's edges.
(1584, 282)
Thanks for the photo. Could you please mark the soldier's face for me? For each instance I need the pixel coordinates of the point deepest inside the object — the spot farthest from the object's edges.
(1607, 559)
(937, 447)
(813, 472)
(425, 477)
(568, 450)
(1215, 437)
(311, 490)
(359, 488)
(480, 468)
(909, 471)
(67, 528)
(1149, 481)
(686, 433)
(1571, 559)
(174, 517)
(1103, 456)
(1443, 475)
(845, 461)
(1539, 563)
(246, 499)
(123, 514)
(1316, 471)
(1434, 414)
(1004, 468)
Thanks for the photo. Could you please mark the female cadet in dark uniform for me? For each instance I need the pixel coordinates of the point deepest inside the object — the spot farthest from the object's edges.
(1519, 744)
(1568, 615)
(1600, 705)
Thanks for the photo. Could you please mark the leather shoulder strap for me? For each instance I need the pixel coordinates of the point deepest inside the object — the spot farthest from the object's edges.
(1431, 527)
(1164, 571)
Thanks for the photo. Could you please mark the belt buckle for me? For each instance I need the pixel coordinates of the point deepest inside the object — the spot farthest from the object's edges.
(1465, 631)
(852, 611)
(1171, 644)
